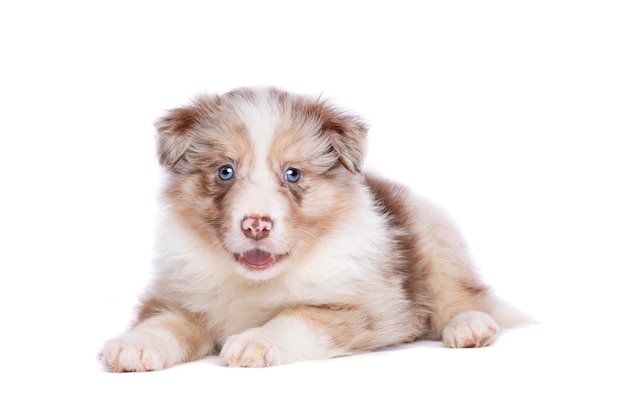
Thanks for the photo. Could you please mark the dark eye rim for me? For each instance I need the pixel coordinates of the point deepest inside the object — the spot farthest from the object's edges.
(226, 172)
(292, 174)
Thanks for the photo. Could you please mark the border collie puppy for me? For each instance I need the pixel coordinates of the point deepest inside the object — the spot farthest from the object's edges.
(276, 247)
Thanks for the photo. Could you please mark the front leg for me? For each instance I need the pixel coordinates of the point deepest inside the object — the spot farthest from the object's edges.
(158, 340)
(298, 334)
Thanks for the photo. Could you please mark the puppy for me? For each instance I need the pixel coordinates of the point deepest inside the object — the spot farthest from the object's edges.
(276, 247)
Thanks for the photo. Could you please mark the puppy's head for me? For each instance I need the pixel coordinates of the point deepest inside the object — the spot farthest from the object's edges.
(261, 175)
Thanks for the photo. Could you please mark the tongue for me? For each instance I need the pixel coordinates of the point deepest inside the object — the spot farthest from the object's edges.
(257, 257)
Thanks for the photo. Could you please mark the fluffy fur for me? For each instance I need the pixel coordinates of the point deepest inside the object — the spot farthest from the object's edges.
(275, 247)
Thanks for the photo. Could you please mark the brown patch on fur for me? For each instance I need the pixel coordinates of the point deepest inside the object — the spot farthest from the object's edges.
(349, 327)
(391, 198)
(190, 330)
(343, 133)
(198, 201)
(173, 131)
(347, 134)
(295, 191)
(474, 288)
(151, 307)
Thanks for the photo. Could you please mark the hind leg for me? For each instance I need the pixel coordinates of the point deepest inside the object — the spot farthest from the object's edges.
(464, 323)
(459, 300)
(459, 314)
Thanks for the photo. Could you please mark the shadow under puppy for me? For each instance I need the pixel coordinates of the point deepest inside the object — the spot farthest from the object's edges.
(275, 247)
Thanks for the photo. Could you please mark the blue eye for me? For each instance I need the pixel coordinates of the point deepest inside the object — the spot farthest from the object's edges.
(226, 172)
(292, 175)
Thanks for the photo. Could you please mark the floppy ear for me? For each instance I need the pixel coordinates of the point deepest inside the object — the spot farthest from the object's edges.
(174, 133)
(347, 134)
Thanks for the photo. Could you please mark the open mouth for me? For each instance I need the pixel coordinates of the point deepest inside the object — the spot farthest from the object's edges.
(257, 259)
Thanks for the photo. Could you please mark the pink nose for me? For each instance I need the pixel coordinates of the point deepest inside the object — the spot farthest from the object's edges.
(256, 227)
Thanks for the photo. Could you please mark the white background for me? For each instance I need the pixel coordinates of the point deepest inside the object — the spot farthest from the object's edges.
(509, 114)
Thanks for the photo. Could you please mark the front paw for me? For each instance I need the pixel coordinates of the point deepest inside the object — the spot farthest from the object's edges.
(252, 349)
(470, 329)
(140, 350)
